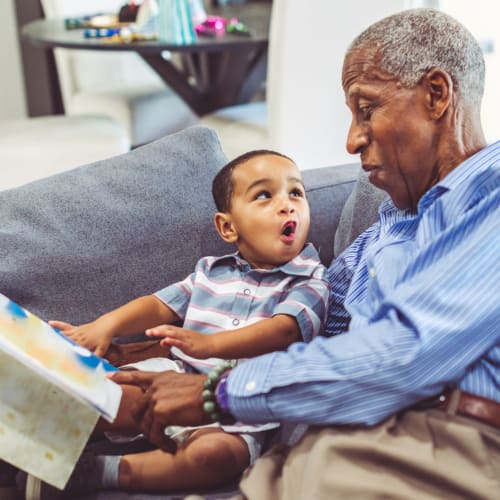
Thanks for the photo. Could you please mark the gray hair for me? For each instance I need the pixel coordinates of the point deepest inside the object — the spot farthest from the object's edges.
(414, 41)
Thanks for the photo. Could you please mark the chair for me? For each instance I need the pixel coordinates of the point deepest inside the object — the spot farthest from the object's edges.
(304, 115)
(120, 85)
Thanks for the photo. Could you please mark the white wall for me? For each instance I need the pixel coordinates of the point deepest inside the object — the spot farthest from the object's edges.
(481, 18)
(308, 117)
(12, 97)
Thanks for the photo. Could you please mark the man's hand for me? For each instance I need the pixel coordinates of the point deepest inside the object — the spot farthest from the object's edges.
(192, 343)
(86, 335)
(169, 398)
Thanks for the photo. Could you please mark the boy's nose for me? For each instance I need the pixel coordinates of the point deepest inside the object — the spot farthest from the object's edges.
(287, 207)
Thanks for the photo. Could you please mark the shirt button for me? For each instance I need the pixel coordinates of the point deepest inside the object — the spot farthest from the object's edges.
(236, 322)
(250, 386)
(246, 291)
(372, 272)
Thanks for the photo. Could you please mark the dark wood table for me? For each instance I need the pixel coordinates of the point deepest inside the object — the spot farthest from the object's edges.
(211, 73)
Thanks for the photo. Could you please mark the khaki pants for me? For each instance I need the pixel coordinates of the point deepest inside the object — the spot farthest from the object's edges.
(414, 455)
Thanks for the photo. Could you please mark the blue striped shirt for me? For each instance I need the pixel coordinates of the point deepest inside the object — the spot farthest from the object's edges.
(418, 302)
(225, 293)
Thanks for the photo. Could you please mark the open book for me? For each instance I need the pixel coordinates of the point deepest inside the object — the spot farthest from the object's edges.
(52, 392)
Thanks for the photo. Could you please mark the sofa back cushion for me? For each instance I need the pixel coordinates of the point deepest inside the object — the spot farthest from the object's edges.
(359, 213)
(79, 243)
(328, 188)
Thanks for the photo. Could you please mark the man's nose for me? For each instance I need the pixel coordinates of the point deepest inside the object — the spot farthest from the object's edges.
(357, 139)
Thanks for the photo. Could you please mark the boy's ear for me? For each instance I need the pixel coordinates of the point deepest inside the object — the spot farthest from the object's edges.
(439, 86)
(225, 228)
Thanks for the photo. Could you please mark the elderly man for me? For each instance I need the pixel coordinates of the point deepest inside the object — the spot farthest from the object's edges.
(404, 402)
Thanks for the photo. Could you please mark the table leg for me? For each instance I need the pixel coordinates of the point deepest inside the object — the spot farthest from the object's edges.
(208, 81)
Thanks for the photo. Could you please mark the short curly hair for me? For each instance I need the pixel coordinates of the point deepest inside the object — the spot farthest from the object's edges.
(411, 42)
(223, 184)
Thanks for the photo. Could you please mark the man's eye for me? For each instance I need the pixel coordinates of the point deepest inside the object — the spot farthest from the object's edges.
(366, 112)
(263, 195)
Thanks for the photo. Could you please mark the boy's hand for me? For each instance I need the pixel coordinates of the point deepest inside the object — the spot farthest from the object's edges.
(86, 335)
(192, 343)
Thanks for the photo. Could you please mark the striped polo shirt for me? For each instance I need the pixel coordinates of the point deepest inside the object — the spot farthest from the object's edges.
(225, 293)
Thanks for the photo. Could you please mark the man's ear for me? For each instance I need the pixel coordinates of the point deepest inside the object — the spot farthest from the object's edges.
(225, 228)
(439, 88)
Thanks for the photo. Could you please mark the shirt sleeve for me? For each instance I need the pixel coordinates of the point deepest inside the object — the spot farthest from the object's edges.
(178, 295)
(307, 302)
(339, 276)
(434, 327)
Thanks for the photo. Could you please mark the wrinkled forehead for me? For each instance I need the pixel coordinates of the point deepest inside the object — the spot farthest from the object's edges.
(362, 65)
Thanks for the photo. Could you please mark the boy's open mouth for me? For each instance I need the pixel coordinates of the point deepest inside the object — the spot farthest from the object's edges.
(289, 228)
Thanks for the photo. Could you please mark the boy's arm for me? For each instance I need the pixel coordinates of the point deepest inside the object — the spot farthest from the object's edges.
(133, 317)
(268, 335)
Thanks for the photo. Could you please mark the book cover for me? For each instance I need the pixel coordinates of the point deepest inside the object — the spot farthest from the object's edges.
(52, 391)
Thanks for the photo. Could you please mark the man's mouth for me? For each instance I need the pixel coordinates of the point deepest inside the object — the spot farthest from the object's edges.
(370, 168)
(373, 172)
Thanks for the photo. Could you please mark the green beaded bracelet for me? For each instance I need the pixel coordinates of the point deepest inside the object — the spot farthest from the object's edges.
(210, 405)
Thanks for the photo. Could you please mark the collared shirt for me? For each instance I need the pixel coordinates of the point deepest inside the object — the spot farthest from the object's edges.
(225, 293)
(422, 294)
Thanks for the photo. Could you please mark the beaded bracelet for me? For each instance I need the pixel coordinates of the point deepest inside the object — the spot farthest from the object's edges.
(210, 405)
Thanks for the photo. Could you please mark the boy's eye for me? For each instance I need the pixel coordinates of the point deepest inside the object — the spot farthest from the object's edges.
(262, 195)
(297, 193)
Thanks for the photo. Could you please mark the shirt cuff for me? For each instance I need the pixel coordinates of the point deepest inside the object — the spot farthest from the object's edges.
(246, 393)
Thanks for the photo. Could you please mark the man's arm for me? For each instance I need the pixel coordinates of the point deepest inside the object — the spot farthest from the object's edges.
(438, 327)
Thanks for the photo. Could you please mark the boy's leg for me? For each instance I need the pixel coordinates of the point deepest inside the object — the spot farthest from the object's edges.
(208, 458)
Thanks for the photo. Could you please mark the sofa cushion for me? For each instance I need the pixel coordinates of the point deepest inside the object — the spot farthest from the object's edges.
(327, 190)
(360, 212)
(77, 244)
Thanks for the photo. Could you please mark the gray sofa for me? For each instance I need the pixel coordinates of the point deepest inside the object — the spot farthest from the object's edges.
(79, 243)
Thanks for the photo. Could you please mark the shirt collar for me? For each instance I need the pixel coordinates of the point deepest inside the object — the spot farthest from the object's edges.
(471, 167)
(304, 264)
(389, 214)
(468, 168)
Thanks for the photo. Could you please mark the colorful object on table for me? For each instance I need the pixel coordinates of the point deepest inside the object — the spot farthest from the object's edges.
(174, 22)
(128, 13)
(212, 26)
(71, 23)
(147, 17)
(93, 21)
(218, 26)
(237, 27)
(128, 36)
(100, 32)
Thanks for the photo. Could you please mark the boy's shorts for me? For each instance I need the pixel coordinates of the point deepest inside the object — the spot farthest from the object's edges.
(253, 435)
